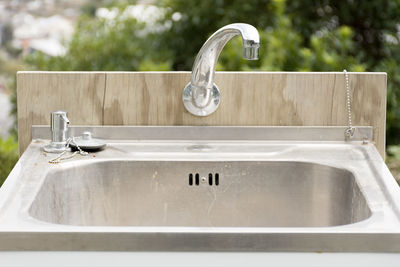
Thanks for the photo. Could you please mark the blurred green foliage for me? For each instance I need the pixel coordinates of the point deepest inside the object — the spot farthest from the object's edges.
(9, 147)
(394, 152)
(302, 35)
(101, 44)
(393, 161)
(8, 157)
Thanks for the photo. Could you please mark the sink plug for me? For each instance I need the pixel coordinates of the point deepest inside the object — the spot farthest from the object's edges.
(59, 127)
(87, 143)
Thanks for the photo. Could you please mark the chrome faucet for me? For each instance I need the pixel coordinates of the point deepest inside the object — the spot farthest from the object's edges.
(201, 96)
(59, 127)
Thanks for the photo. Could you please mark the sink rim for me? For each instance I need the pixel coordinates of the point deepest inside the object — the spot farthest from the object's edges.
(375, 210)
(380, 232)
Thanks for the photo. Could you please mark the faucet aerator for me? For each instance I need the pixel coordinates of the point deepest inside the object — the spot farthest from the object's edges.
(250, 52)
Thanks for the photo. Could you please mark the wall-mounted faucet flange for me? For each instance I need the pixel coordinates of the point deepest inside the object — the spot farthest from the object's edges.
(214, 99)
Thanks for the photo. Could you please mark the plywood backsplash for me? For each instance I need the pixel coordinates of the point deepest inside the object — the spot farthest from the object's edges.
(155, 98)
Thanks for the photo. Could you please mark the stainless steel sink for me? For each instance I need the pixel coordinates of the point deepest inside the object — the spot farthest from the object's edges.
(301, 189)
(200, 194)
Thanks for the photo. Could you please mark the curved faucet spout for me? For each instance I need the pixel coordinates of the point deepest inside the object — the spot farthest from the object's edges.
(201, 96)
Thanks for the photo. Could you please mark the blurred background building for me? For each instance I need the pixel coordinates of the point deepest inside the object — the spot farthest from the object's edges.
(29, 26)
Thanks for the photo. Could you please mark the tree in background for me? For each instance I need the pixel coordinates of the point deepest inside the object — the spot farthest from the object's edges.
(371, 21)
(303, 35)
(9, 146)
(100, 44)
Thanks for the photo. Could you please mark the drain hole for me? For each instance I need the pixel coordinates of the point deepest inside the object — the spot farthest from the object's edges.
(197, 179)
(190, 179)
(217, 179)
(210, 178)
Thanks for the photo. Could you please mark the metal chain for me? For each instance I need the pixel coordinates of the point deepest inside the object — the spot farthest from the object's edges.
(81, 152)
(349, 132)
(60, 157)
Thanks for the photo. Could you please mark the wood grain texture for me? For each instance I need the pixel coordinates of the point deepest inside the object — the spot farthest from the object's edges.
(248, 99)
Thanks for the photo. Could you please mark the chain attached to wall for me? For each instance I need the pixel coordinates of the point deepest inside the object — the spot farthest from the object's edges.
(349, 132)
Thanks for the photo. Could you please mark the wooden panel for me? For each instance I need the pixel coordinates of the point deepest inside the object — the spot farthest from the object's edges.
(248, 98)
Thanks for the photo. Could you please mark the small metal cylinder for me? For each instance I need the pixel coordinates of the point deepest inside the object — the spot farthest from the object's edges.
(59, 126)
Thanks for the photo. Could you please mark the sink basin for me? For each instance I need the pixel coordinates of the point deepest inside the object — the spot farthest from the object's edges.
(298, 189)
(200, 194)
